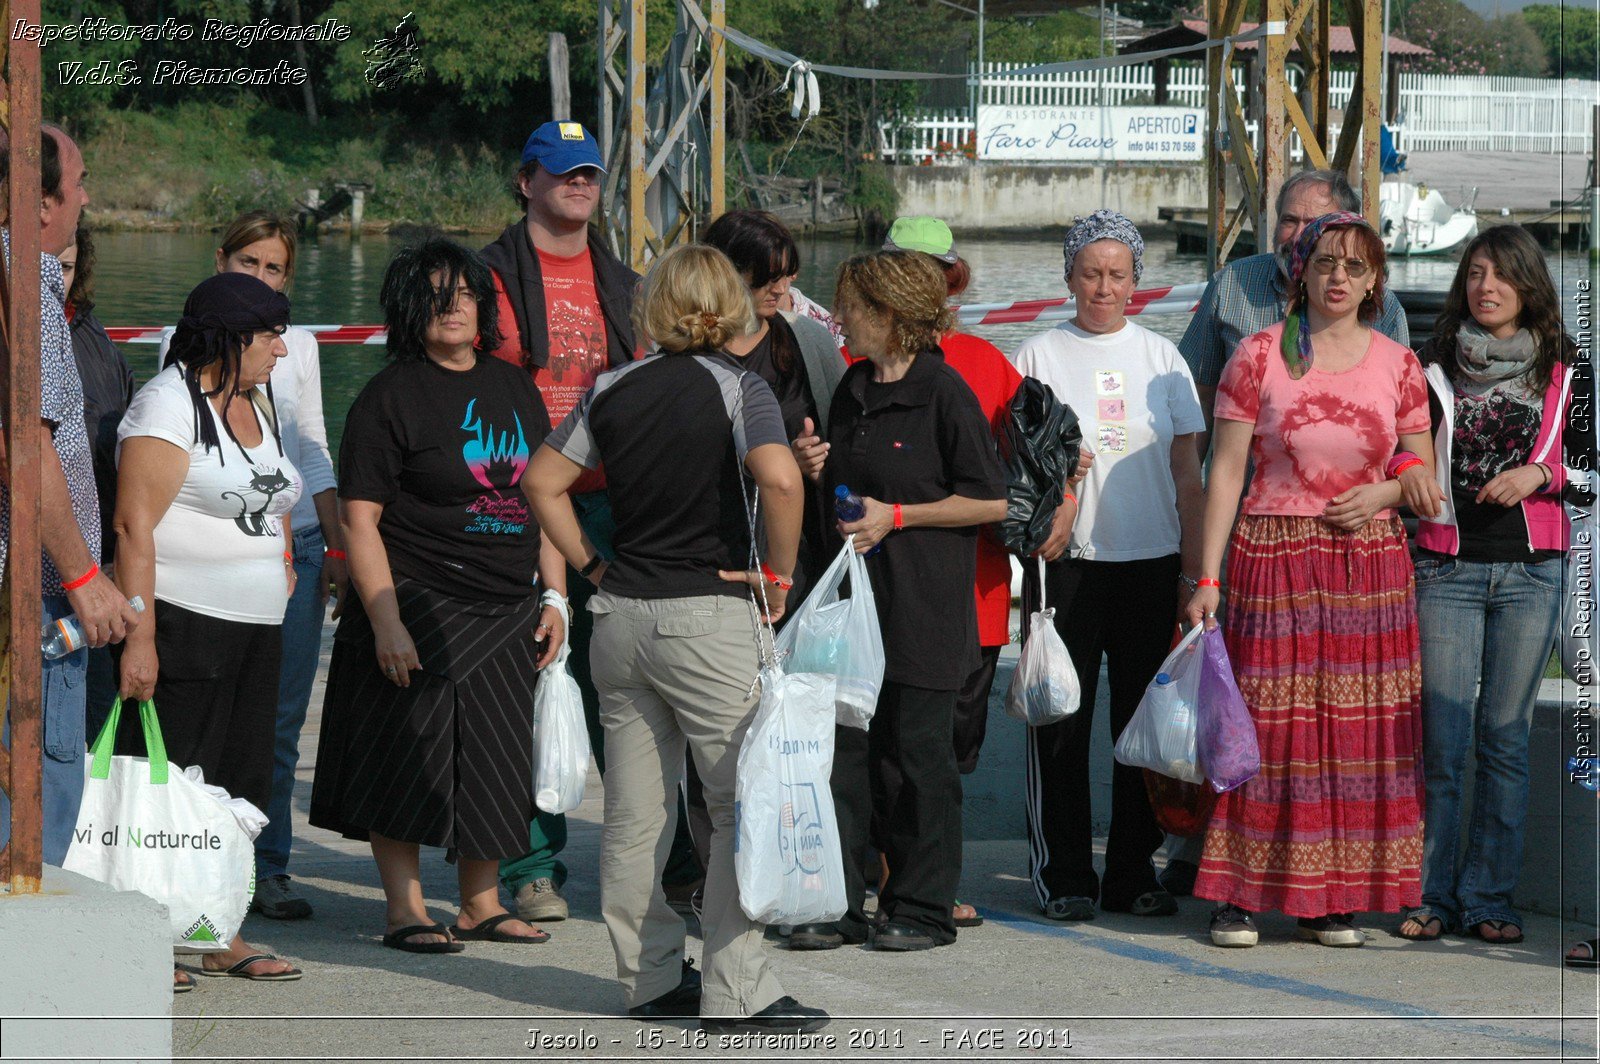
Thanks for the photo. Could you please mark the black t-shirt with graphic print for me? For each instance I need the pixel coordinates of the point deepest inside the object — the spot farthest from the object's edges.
(444, 452)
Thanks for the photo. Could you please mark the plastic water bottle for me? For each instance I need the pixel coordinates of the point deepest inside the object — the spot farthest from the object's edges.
(848, 505)
(62, 637)
(1584, 772)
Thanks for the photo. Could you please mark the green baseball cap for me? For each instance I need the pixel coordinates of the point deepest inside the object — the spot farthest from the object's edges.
(922, 233)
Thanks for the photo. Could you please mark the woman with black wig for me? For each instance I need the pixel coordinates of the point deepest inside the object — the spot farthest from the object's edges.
(427, 728)
(203, 499)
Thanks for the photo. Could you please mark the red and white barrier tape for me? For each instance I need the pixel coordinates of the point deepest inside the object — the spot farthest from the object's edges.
(1168, 299)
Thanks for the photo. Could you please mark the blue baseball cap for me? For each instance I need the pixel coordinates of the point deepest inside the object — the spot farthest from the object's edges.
(561, 147)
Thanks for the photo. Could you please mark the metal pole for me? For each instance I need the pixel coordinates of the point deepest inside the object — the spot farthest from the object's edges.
(638, 221)
(719, 109)
(977, 92)
(1384, 109)
(22, 857)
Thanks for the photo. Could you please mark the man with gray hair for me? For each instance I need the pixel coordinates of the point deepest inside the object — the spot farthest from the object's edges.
(1249, 294)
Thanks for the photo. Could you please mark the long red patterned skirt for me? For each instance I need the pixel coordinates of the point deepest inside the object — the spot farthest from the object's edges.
(1321, 625)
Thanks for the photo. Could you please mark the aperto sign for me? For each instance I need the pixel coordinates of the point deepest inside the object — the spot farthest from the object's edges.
(1099, 134)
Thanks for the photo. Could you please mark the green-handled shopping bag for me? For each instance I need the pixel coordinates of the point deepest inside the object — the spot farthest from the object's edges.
(146, 826)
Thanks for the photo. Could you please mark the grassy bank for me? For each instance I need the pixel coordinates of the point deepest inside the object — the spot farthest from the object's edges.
(199, 164)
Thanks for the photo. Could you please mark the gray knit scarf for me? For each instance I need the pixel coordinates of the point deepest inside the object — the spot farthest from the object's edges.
(1485, 360)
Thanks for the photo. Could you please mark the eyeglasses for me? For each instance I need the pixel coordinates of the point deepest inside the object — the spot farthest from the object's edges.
(1355, 269)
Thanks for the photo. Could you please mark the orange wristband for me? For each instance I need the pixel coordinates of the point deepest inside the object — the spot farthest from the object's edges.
(1206, 581)
(899, 518)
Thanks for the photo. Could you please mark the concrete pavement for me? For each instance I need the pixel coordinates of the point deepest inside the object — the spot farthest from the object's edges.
(1018, 987)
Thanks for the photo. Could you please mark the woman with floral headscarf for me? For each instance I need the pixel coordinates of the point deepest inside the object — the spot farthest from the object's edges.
(1121, 559)
(1321, 623)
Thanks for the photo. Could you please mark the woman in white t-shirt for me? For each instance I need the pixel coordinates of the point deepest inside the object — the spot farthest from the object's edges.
(204, 492)
(1120, 564)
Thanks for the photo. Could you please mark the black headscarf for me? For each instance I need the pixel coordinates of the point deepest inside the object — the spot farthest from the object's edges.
(219, 318)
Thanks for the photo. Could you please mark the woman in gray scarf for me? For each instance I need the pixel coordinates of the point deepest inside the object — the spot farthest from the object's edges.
(1489, 569)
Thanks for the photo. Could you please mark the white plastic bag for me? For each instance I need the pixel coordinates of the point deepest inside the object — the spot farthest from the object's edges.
(560, 738)
(1161, 735)
(1044, 687)
(786, 852)
(147, 826)
(840, 637)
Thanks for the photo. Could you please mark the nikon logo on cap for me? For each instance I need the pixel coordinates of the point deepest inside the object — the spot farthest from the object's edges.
(571, 131)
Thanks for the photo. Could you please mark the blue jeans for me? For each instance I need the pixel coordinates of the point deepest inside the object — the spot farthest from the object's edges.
(302, 649)
(1493, 622)
(63, 689)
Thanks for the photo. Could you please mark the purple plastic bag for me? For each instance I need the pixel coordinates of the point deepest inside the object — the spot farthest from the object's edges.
(1225, 733)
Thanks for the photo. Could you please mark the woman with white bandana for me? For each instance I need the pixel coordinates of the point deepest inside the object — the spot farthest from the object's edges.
(1121, 560)
(1489, 570)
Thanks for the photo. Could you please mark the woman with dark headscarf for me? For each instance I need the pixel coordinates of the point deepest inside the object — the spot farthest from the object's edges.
(203, 499)
(1321, 623)
(427, 727)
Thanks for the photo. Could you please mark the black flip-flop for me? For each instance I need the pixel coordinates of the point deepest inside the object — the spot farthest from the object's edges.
(1500, 926)
(489, 931)
(401, 939)
(974, 920)
(238, 971)
(1422, 918)
(183, 985)
(1591, 961)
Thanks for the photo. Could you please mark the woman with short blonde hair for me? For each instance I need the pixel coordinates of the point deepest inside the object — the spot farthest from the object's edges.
(675, 636)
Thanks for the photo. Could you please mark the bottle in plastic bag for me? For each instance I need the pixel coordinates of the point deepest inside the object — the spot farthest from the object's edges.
(61, 637)
(1584, 772)
(849, 507)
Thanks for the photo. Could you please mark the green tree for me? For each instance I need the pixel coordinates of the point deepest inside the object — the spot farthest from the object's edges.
(1569, 35)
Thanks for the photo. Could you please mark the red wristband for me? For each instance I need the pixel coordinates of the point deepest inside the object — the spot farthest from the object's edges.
(1399, 462)
(774, 579)
(1067, 496)
(1206, 581)
(94, 571)
(899, 518)
(1409, 463)
(336, 555)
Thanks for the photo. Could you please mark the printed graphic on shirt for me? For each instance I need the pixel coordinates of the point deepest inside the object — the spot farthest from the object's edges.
(1113, 439)
(1493, 433)
(577, 332)
(1113, 410)
(252, 516)
(1331, 441)
(496, 458)
(1108, 382)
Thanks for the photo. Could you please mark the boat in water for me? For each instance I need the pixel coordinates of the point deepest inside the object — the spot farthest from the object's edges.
(1416, 220)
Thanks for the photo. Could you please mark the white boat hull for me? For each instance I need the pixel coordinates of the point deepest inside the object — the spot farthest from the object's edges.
(1416, 220)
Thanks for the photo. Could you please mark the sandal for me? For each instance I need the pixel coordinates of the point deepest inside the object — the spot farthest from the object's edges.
(238, 971)
(401, 939)
(1499, 927)
(964, 915)
(1430, 926)
(1591, 961)
(182, 981)
(489, 931)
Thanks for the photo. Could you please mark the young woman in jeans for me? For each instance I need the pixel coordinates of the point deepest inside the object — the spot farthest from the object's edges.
(1500, 368)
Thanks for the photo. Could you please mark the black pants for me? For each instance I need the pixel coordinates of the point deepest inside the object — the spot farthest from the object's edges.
(972, 710)
(1125, 611)
(897, 784)
(216, 697)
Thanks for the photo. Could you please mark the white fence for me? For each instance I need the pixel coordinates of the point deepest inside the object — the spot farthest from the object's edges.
(1437, 112)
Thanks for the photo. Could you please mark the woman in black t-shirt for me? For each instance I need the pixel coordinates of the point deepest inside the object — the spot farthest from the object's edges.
(907, 435)
(675, 633)
(427, 729)
(795, 355)
(1504, 380)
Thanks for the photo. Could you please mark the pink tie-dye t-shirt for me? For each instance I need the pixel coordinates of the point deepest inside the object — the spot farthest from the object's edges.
(1326, 432)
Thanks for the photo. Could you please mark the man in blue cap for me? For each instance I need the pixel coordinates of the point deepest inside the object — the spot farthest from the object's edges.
(565, 301)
